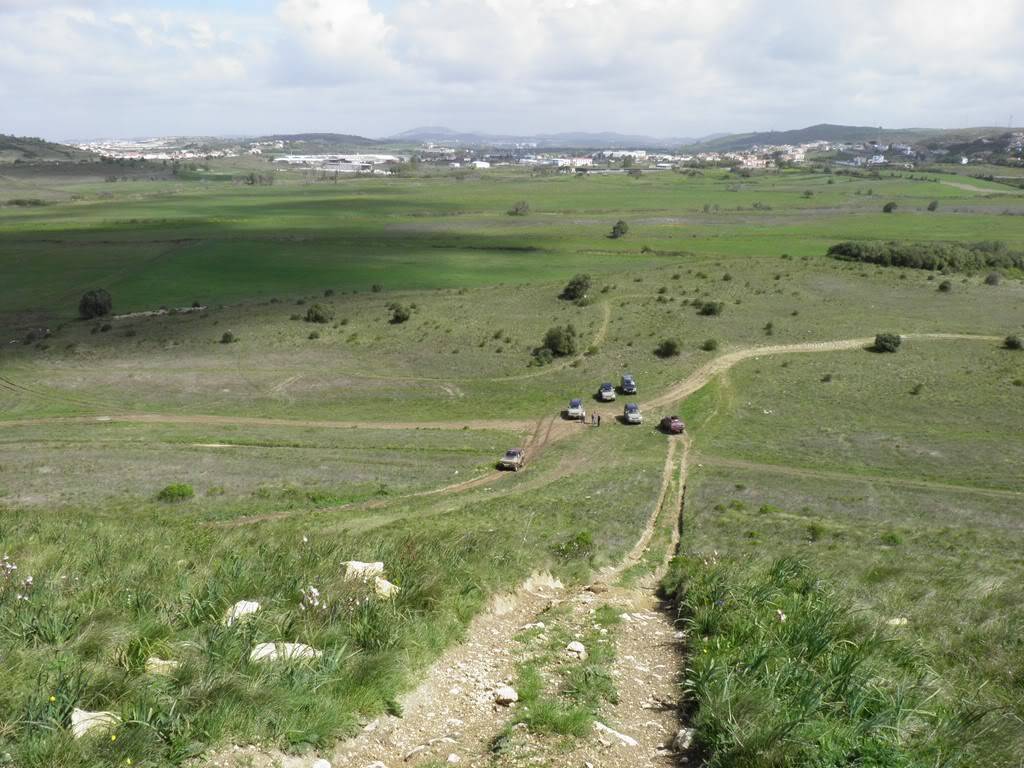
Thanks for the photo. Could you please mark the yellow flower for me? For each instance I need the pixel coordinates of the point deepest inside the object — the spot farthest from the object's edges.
(127, 761)
(53, 698)
(113, 737)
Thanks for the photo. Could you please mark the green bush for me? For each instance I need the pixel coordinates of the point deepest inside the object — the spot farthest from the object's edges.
(953, 257)
(710, 308)
(399, 313)
(176, 492)
(521, 208)
(581, 545)
(228, 338)
(1013, 341)
(889, 207)
(313, 335)
(667, 348)
(993, 278)
(95, 303)
(559, 341)
(933, 205)
(318, 313)
(576, 288)
(710, 345)
(619, 229)
(887, 342)
(945, 286)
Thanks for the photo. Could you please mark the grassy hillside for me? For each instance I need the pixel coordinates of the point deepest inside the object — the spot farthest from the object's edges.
(26, 149)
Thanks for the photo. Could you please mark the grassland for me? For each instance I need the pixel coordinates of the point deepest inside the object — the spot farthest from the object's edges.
(305, 452)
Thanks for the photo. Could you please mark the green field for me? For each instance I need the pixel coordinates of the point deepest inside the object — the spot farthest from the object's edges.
(893, 478)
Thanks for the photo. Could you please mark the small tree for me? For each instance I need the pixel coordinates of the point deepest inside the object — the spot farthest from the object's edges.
(95, 303)
(1013, 341)
(519, 209)
(227, 338)
(710, 308)
(710, 345)
(887, 342)
(933, 205)
(619, 229)
(560, 341)
(576, 288)
(399, 313)
(667, 348)
(993, 278)
(889, 207)
(318, 313)
(945, 286)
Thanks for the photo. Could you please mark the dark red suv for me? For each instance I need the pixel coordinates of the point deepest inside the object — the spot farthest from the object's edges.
(673, 425)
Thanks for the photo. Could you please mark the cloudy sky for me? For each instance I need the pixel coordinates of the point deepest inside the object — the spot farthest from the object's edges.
(117, 68)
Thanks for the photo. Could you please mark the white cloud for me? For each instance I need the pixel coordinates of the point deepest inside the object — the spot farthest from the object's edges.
(668, 68)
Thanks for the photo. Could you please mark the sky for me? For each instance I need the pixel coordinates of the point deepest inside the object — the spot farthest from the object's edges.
(71, 69)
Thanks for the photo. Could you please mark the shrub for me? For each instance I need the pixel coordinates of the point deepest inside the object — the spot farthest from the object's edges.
(576, 288)
(559, 341)
(887, 342)
(318, 313)
(769, 328)
(933, 205)
(521, 208)
(953, 257)
(993, 278)
(619, 229)
(581, 545)
(176, 492)
(95, 303)
(328, 293)
(826, 378)
(228, 338)
(945, 286)
(667, 348)
(1013, 341)
(917, 389)
(889, 207)
(710, 308)
(313, 335)
(399, 313)
(377, 288)
(709, 345)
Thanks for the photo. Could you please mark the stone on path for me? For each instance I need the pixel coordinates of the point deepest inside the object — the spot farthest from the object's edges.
(577, 649)
(629, 741)
(683, 739)
(283, 652)
(83, 722)
(506, 695)
(239, 611)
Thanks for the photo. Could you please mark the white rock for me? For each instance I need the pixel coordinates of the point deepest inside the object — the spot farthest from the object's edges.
(506, 695)
(629, 741)
(385, 588)
(82, 722)
(900, 621)
(355, 569)
(158, 666)
(321, 763)
(683, 739)
(453, 759)
(377, 764)
(240, 610)
(283, 652)
(577, 649)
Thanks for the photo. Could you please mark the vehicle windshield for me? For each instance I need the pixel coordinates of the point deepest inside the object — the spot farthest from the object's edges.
(512, 453)
(632, 408)
(575, 403)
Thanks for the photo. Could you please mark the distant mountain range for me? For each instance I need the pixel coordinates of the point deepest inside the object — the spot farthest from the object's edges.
(839, 133)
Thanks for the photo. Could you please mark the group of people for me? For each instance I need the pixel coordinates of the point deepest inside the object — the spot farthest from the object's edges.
(595, 419)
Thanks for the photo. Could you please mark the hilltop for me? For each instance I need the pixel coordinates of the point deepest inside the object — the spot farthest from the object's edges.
(842, 133)
(28, 149)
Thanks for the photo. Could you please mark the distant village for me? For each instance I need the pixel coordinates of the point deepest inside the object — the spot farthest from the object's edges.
(286, 155)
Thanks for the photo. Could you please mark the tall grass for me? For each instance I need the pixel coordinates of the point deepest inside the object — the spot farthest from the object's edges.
(781, 671)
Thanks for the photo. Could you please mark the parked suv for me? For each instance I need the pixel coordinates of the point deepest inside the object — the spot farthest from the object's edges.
(513, 459)
(631, 414)
(673, 425)
(606, 392)
(628, 386)
(575, 410)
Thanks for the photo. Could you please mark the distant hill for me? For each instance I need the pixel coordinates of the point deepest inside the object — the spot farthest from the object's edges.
(27, 149)
(338, 139)
(580, 140)
(840, 133)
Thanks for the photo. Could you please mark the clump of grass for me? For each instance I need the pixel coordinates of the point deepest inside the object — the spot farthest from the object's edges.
(176, 492)
(782, 672)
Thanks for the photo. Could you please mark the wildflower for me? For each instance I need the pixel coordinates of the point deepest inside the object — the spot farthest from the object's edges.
(53, 698)
(781, 616)
(305, 539)
(113, 737)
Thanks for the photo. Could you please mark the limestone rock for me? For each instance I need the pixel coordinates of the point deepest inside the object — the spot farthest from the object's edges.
(577, 649)
(355, 569)
(900, 621)
(683, 739)
(239, 611)
(385, 588)
(283, 652)
(83, 722)
(506, 695)
(158, 666)
(321, 763)
(629, 741)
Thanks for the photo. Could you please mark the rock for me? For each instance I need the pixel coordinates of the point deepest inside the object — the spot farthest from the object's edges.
(535, 625)
(355, 569)
(577, 649)
(377, 764)
(321, 763)
(453, 759)
(597, 588)
(900, 621)
(239, 611)
(158, 666)
(506, 695)
(83, 722)
(283, 652)
(683, 739)
(629, 741)
(385, 588)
